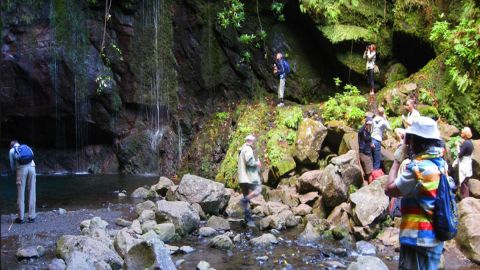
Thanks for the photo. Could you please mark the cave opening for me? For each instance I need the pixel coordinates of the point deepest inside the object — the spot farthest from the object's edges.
(411, 51)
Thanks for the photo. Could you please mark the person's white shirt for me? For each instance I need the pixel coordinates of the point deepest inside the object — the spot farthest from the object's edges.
(379, 125)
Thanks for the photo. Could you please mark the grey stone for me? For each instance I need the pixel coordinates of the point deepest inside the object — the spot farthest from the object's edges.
(206, 231)
(209, 194)
(468, 236)
(234, 209)
(146, 205)
(199, 210)
(136, 226)
(221, 242)
(302, 210)
(310, 182)
(187, 249)
(62, 211)
(84, 252)
(123, 222)
(166, 231)
(57, 264)
(124, 240)
(141, 193)
(148, 225)
(308, 198)
(370, 203)
(264, 240)
(218, 223)
(30, 252)
(203, 265)
(149, 254)
(366, 248)
(146, 215)
(333, 187)
(310, 137)
(367, 263)
(161, 187)
(181, 214)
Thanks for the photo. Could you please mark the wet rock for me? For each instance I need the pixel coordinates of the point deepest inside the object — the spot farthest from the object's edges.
(62, 211)
(333, 188)
(348, 166)
(203, 265)
(474, 186)
(283, 219)
(370, 203)
(30, 252)
(148, 225)
(199, 210)
(82, 252)
(146, 215)
(140, 193)
(136, 226)
(389, 237)
(264, 223)
(124, 240)
(366, 232)
(209, 194)
(149, 254)
(264, 240)
(187, 249)
(162, 186)
(367, 262)
(336, 264)
(221, 242)
(123, 222)
(468, 237)
(310, 182)
(172, 249)
(146, 205)
(276, 207)
(319, 209)
(339, 217)
(234, 209)
(308, 198)
(302, 210)
(206, 231)
(122, 195)
(314, 229)
(310, 136)
(57, 264)
(165, 231)
(366, 248)
(218, 223)
(181, 214)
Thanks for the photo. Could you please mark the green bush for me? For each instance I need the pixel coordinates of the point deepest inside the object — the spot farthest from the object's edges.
(429, 111)
(349, 106)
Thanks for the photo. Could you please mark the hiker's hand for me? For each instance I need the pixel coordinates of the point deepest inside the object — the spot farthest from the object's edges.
(372, 145)
(401, 153)
(259, 164)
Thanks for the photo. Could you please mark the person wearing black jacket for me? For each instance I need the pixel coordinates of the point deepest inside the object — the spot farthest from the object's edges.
(365, 146)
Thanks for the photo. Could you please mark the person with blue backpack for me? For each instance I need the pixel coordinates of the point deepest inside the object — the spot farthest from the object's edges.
(428, 206)
(21, 162)
(281, 68)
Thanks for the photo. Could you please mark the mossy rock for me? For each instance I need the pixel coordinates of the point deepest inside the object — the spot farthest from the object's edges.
(395, 72)
(354, 62)
(341, 32)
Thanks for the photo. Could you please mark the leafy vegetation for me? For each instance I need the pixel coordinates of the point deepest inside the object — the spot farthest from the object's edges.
(349, 106)
(461, 41)
(451, 146)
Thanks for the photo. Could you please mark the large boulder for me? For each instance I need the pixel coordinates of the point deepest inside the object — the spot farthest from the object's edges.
(468, 237)
(349, 142)
(349, 167)
(234, 209)
(97, 229)
(181, 214)
(310, 136)
(149, 254)
(209, 194)
(310, 181)
(476, 159)
(146, 205)
(447, 131)
(140, 193)
(333, 189)
(314, 229)
(308, 198)
(162, 186)
(285, 194)
(369, 203)
(264, 240)
(165, 231)
(82, 252)
(367, 263)
(302, 210)
(218, 223)
(474, 187)
(124, 240)
(222, 241)
(337, 129)
(283, 220)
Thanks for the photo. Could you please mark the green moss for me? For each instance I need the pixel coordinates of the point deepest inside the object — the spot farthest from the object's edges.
(340, 32)
(353, 61)
(429, 111)
(289, 117)
(395, 122)
(395, 72)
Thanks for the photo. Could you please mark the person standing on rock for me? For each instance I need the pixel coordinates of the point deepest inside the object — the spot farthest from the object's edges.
(370, 54)
(380, 123)
(418, 184)
(281, 68)
(464, 161)
(407, 121)
(365, 146)
(248, 176)
(21, 162)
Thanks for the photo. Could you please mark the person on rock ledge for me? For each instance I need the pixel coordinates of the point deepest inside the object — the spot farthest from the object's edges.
(365, 146)
(281, 68)
(24, 169)
(248, 177)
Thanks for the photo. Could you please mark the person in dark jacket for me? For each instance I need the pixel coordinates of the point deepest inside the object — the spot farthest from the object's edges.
(365, 146)
(465, 151)
(279, 70)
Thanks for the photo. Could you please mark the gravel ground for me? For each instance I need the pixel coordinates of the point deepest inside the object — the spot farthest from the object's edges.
(48, 227)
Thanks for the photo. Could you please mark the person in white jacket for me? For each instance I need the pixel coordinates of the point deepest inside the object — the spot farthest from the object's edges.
(370, 54)
(249, 176)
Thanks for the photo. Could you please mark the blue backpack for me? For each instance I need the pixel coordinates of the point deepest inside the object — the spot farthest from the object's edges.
(286, 66)
(23, 154)
(445, 218)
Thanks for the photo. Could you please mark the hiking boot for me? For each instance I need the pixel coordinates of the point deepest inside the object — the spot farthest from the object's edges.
(19, 221)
